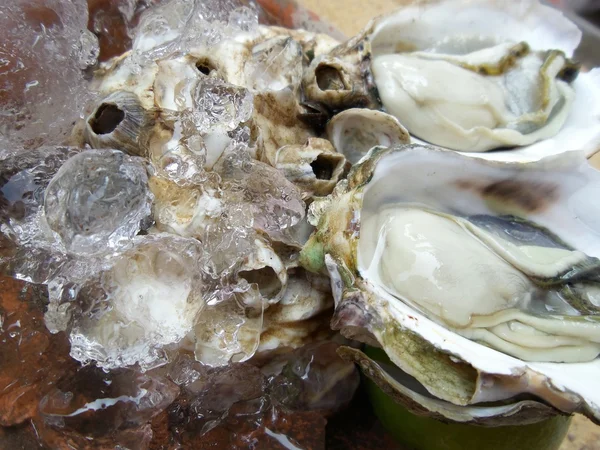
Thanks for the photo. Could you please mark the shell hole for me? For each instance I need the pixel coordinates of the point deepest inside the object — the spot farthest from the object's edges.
(329, 78)
(266, 279)
(107, 118)
(569, 73)
(323, 167)
(204, 66)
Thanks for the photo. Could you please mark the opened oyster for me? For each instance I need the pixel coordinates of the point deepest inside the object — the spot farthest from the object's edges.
(470, 76)
(478, 279)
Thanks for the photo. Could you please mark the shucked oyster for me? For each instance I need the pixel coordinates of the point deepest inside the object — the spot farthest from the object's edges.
(484, 272)
(469, 76)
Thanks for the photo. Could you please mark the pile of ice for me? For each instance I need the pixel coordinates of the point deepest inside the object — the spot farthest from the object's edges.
(171, 239)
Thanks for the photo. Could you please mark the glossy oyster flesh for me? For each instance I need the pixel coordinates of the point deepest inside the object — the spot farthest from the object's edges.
(470, 76)
(482, 273)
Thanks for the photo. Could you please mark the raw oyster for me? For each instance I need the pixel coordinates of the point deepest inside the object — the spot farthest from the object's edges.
(465, 75)
(190, 100)
(485, 272)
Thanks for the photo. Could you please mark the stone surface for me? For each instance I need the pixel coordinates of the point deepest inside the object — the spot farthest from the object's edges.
(31, 359)
(95, 404)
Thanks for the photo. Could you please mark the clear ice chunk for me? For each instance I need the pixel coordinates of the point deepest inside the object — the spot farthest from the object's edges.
(229, 330)
(228, 240)
(176, 26)
(275, 65)
(219, 106)
(261, 395)
(40, 38)
(24, 178)
(217, 391)
(98, 201)
(315, 378)
(150, 298)
(180, 154)
(275, 202)
(28, 250)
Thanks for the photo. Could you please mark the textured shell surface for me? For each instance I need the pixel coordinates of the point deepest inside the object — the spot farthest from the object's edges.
(259, 70)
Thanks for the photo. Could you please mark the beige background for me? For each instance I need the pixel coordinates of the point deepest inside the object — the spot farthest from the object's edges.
(349, 16)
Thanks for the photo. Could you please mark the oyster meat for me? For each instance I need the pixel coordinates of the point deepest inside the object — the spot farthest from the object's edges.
(470, 76)
(483, 273)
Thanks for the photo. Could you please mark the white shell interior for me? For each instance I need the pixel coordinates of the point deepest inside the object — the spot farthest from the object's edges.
(434, 178)
(454, 26)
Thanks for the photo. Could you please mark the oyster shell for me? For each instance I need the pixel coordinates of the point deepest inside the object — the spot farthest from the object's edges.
(315, 167)
(300, 316)
(465, 75)
(120, 121)
(522, 317)
(169, 97)
(356, 131)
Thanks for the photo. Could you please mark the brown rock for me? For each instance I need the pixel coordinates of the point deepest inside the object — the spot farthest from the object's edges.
(31, 359)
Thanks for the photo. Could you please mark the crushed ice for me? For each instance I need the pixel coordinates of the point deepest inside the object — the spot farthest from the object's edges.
(168, 270)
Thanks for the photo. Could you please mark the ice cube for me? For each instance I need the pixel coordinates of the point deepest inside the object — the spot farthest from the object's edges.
(23, 181)
(275, 202)
(316, 378)
(275, 64)
(176, 26)
(98, 201)
(228, 240)
(229, 331)
(243, 18)
(219, 106)
(149, 298)
(285, 401)
(39, 40)
(161, 26)
(28, 249)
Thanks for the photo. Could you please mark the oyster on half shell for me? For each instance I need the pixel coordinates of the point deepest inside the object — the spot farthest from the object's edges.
(469, 75)
(483, 273)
